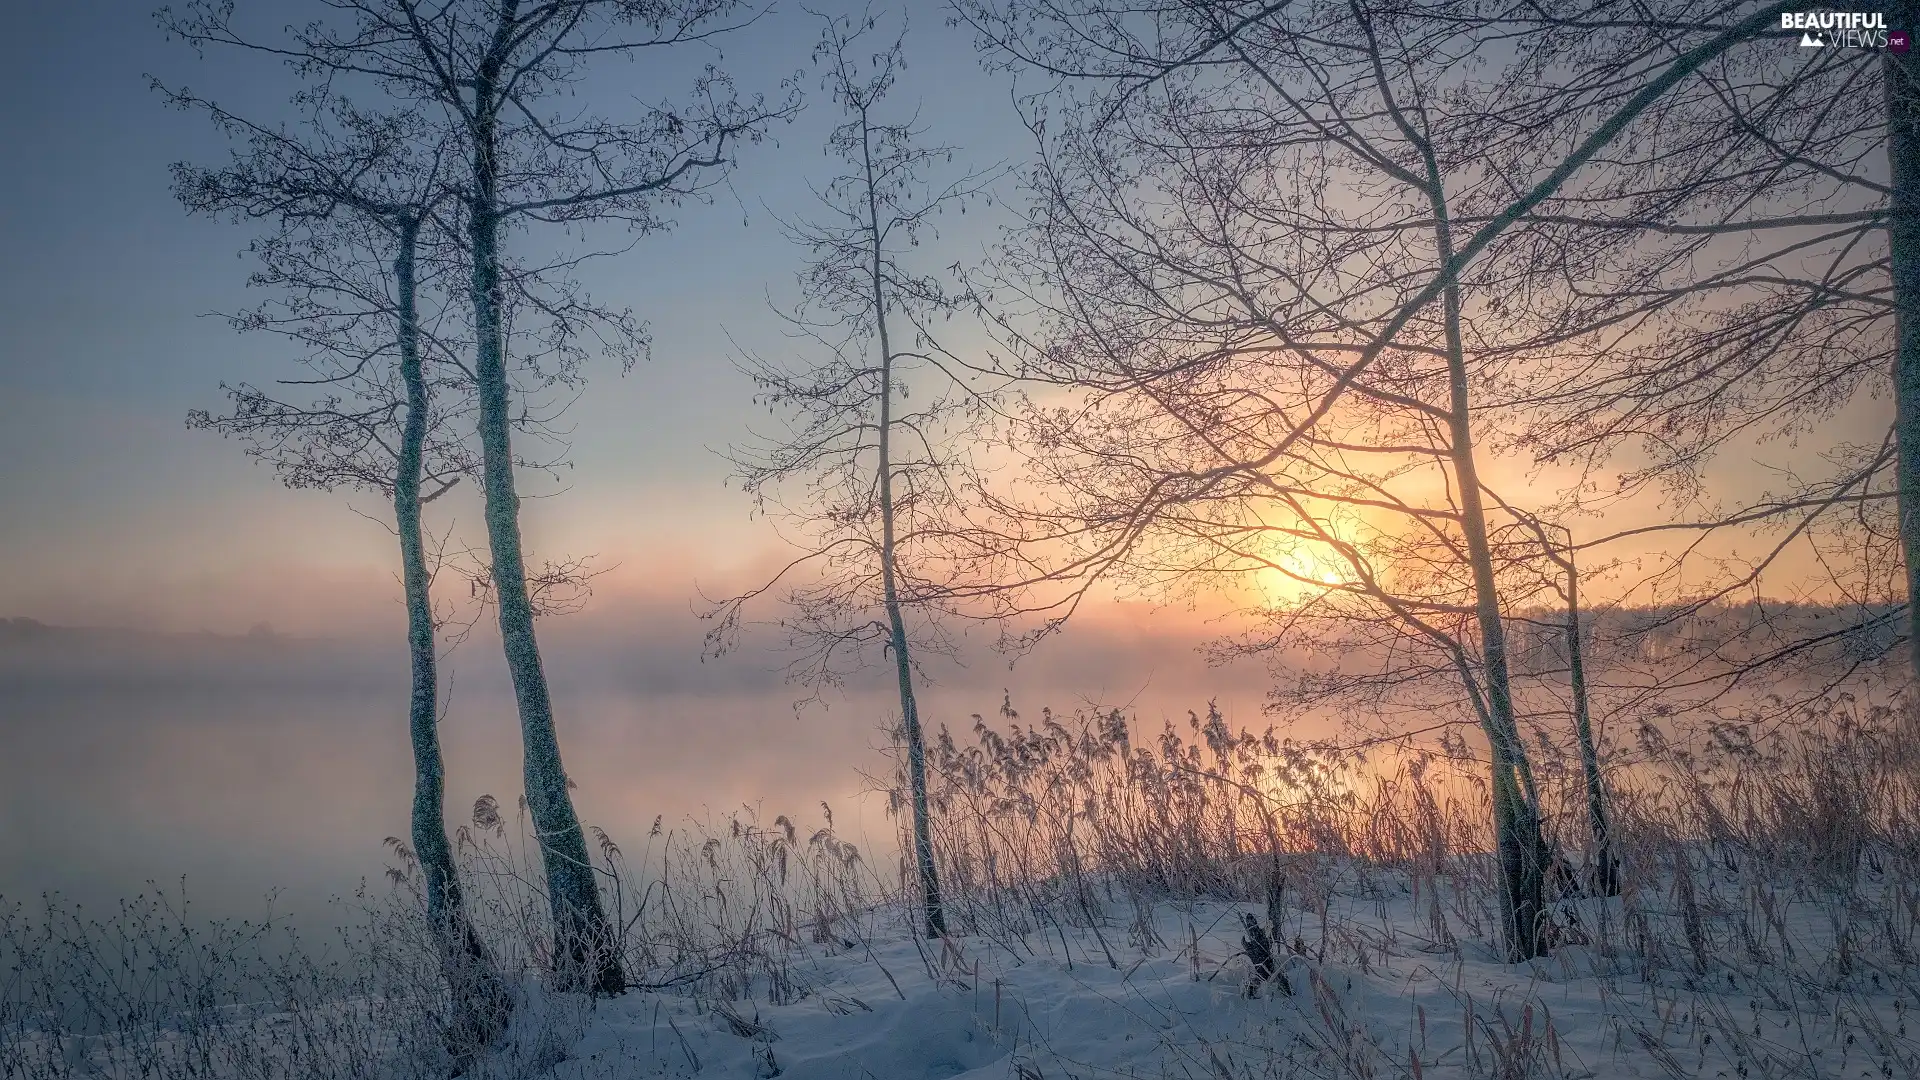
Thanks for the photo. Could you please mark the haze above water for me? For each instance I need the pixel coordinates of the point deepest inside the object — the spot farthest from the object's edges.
(250, 765)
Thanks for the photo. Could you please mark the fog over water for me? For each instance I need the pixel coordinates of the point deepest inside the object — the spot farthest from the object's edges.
(254, 764)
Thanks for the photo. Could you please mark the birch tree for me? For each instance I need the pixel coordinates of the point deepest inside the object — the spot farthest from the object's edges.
(498, 77)
(1722, 284)
(354, 245)
(868, 470)
(1264, 252)
(1557, 545)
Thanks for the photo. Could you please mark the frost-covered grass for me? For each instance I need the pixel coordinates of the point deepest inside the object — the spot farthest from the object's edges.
(151, 992)
(1097, 887)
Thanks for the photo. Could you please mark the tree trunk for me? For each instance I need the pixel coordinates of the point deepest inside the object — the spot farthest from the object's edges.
(936, 925)
(429, 794)
(586, 954)
(1606, 872)
(1516, 819)
(1903, 159)
(480, 1000)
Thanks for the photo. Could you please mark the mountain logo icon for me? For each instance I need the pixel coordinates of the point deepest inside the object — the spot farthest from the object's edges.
(1810, 40)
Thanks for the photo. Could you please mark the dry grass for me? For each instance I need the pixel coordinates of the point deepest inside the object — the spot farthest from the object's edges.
(151, 991)
(1767, 926)
(1768, 921)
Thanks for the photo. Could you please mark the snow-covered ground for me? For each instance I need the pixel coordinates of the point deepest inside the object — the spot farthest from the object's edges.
(1382, 974)
(1375, 995)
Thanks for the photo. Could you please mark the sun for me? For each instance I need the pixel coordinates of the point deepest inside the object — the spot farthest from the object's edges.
(1303, 569)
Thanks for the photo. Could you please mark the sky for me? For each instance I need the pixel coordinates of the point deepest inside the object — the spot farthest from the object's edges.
(119, 515)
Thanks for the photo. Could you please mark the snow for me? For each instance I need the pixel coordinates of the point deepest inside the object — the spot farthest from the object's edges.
(1372, 997)
(1383, 974)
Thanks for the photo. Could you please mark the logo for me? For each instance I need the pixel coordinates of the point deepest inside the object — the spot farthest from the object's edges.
(1841, 29)
(1899, 41)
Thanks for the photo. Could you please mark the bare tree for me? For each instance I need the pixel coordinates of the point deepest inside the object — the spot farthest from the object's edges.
(349, 201)
(1604, 869)
(1246, 270)
(870, 444)
(1720, 282)
(497, 76)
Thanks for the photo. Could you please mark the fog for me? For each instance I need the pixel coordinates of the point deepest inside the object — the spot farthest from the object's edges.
(262, 763)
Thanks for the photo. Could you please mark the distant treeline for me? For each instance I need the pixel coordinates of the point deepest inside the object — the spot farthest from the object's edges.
(1731, 633)
(24, 630)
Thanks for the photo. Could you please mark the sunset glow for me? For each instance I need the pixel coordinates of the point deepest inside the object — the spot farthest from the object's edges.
(655, 539)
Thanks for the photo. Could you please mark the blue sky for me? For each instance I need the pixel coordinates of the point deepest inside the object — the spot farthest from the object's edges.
(117, 513)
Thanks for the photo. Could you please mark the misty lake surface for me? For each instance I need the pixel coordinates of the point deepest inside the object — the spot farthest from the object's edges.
(253, 766)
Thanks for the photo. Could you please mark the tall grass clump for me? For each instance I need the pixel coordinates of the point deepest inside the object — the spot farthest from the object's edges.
(722, 912)
(149, 991)
(1033, 817)
(1768, 859)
